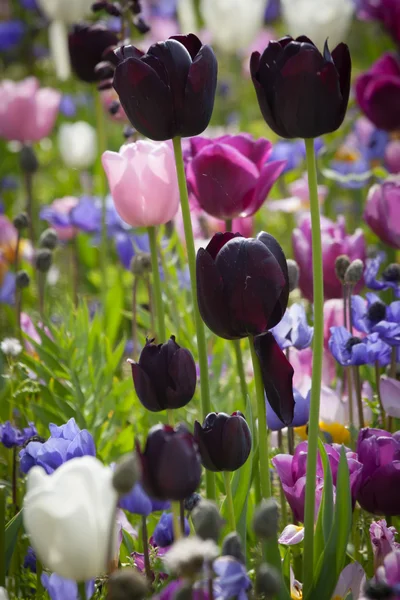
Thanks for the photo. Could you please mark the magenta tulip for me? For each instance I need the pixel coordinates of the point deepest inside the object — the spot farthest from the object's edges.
(143, 184)
(335, 241)
(27, 112)
(382, 211)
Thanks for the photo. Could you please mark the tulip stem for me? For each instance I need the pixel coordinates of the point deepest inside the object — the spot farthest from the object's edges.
(378, 393)
(318, 345)
(357, 382)
(2, 536)
(176, 515)
(200, 332)
(146, 557)
(102, 187)
(157, 285)
(240, 370)
(228, 225)
(229, 500)
(82, 590)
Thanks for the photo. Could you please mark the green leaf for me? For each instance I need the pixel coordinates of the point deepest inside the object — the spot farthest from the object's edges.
(114, 308)
(11, 535)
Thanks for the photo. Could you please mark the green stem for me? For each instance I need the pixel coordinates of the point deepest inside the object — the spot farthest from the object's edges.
(147, 568)
(228, 225)
(176, 516)
(39, 586)
(378, 393)
(229, 500)
(318, 344)
(240, 370)
(200, 332)
(102, 190)
(82, 590)
(2, 536)
(157, 285)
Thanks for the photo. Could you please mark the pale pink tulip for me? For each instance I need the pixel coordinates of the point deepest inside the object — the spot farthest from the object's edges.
(27, 112)
(143, 184)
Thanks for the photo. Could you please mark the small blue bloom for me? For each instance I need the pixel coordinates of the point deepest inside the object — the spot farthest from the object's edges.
(272, 11)
(7, 289)
(68, 106)
(232, 580)
(157, 505)
(30, 560)
(86, 215)
(293, 329)
(68, 431)
(11, 34)
(163, 8)
(163, 534)
(351, 350)
(300, 417)
(10, 436)
(136, 502)
(59, 588)
(390, 276)
(373, 315)
(353, 165)
(127, 244)
(28, 432)
(29, 4)
(8, 182)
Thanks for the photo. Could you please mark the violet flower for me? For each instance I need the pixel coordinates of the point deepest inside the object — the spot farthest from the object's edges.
(59, 588)
(301, 412)
(11, 34)
(163, 534)
(138, 502)
(350, 350)
(293, 329)
(389, 573)
(390, 277)
(382, 211)
(12, 437)
(373, 315)
(382, 541)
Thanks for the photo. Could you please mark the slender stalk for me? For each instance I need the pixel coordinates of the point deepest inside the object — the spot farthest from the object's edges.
(134, 319)
(74, 271)
(2, 536)
(228, 225)
(151, 305)
(210, 586)
(345, 305)
(393, 363)
(14, 481)
(82, 590)
(39, 586)
(157, 285)
(147, 568)
(357, 382)
(281, 492)
(102, 190)
(200, 332)
(176, 513)
(378, 393)
(18, 310)
(41, 292)
(350, 396)
(240, 370)
(290, 439)
(16, 254)
(182, 516)
(170, 417)
(350, 289)
(318, 344)
(229, 500)
(30, 209)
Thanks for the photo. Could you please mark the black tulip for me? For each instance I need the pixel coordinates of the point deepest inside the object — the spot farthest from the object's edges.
(224, 441)
(170, 90)
(242, 284)
(171, 467)
(301, 92)
(88, 45)
(165, 376)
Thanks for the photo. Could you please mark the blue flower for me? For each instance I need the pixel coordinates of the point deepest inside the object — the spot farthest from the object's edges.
(351, 163)
(7, 289)
(163, 534)
(390, 276)
(350, 350)
(10, 436)
(11, 34)
(65, 442)
(373, 315)
(136, 502)
(293, 152)
(127, 244)
(29, 4)
(59, 588)
(293, 329)
(67, 106)
(30, 560)
(301, 412)
(232, 580)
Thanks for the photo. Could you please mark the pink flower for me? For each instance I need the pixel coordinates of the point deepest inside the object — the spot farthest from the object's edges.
(335, 241)
(299, 199)
(392, 156)
(27, 112)
(143, 184)
(382, 540)
(382, 211)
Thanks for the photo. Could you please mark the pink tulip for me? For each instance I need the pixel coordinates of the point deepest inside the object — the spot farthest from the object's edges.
(382, 211)
(27, 112)
(333, 317)
(392, 156)
(143, 184)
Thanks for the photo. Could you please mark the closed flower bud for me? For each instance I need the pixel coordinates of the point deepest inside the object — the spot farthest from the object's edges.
(141, 263)
(268, 581)
(192, 501)
(27, 160)
(21, 221)
(114, 9)
(294, 274)
(165, 376)
(87, 45)
(392, 273)
(126, 584)
(141, 25)
(232, 546)
(265, 520)
(378, 590)
(169, 91)
(171, 467)
(43, 260)
(48, 239)
(301, 92)
(207, 520)
(126, 474)
(104, 70)
(342, 263)
(224, 441)
(96, 6)
(22, 280)
(354, 272)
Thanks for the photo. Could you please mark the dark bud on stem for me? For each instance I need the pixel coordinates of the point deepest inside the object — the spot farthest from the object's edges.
(128, 132)
(126, 474)
(207, 520)
(141, 25)
(114, 107)
(21, 221)
(342, 263)
(27, 160)
(48, 239)
(354, 272)
(22, 280)
(43, 260)
(294, 274)
(192, 501)
(135, 7)
(126, 584)
(141, 263)
(114, 9)
(97, 6)
(268, 581)
(392, 273)
(232, 546)
(266, 518)
(378, 591)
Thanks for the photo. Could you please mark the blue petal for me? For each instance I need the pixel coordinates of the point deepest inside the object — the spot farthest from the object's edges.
(68, 431)
(359, 313)
(136, 502)
(82, 445)
(52, 454)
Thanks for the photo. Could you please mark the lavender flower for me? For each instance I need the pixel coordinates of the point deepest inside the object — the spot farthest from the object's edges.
(351, 350)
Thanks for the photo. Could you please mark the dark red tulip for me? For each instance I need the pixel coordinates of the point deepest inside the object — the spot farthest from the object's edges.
(171, 466)
(242, 284)
(170, 90)
(224, 441)
(301, 92)
(87, 45)
(165, 376)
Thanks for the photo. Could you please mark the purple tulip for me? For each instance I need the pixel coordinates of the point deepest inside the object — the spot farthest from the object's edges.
(382, 210)
(378, 92)
(335, 241)
(379, 453)
(235, 164)
(163, 534)
(292, 473)
(386, 11)
(88, 45)
(382, 541)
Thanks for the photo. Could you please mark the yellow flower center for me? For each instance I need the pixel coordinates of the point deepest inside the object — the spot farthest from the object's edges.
(347, 154)
(339, 433)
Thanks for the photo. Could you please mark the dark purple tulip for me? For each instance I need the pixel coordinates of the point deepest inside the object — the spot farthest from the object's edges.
(224, 441)
(301, 92)
(165, 376)
(242, 284)
(171, 467)
(87, 45)
(379, 453)
(386, 11)
(170, 90)
(378, 92)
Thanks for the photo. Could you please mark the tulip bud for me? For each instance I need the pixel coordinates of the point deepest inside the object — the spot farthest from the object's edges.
(126, 474)
(43, 260)
(104, 70)
(342, 263)
(354, 272)
(268, 581)
(27, 160)
(21, 221)
(126, 584)
(187, 556)
(265, 520)
(87, 44)
(207, 520)
(232, 546)
(392, 273)
(22, 280)
(48, 239)
(165, 376)
(224, 441)
(135, 7)
(294, 274)
(141, 263)
(114, 9)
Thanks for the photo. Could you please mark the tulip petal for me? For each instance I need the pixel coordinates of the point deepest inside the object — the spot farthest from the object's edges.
(273, 245)
(182, 378)
(342, 61)
(199, 435)
(277, 374)
(257, 151)
(380, 494)
(390, 395)
(144, 388)
(178, 483)
(236, 443)
(190, 41)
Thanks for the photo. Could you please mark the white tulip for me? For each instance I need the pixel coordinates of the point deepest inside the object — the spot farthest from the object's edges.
(3, 594)
(68, 517)
(233, 24)
(318, 20)
(77, 143)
